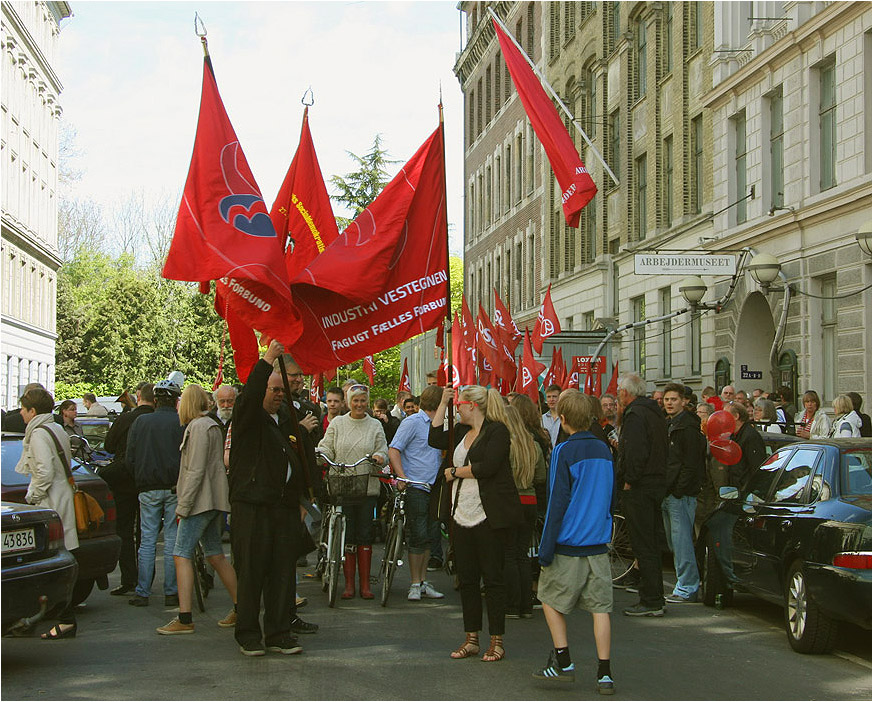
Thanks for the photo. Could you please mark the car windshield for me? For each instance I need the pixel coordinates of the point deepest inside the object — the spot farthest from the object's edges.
(856, 473)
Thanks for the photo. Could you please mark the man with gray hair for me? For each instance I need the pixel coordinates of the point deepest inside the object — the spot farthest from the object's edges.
(642, 477)
(225, 397)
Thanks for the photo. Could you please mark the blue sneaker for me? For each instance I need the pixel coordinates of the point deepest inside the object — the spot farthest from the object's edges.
(605, 685)
(555, 673)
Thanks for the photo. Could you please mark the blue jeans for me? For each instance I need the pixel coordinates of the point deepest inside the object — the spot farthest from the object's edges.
(678, 515)
(156, 507)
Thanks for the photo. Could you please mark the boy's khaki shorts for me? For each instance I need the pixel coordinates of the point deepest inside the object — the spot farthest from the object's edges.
(577, 581)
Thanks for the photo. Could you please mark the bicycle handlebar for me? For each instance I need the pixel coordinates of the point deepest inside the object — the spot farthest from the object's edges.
(333, 463)
(394, 476)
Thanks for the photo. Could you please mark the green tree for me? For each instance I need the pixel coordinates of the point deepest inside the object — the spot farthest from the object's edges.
(356, 190)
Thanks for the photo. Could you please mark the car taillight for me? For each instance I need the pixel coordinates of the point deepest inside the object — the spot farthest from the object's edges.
(55, 534)
(856, 561)
(110, 506)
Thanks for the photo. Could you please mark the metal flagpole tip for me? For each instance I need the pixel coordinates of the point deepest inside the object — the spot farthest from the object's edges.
(199, 26)
(311, 97)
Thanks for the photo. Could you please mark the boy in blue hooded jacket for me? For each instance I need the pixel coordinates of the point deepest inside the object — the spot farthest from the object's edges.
(574, 547)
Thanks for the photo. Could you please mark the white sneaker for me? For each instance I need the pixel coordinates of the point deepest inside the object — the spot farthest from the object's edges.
(414, 592)
(428, 590)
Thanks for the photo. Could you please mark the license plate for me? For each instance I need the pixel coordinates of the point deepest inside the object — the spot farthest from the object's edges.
(15, 541)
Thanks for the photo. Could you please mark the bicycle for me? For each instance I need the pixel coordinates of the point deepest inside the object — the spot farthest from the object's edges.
(332, 542)
(203, 579)
(392, 557)
(621, 556)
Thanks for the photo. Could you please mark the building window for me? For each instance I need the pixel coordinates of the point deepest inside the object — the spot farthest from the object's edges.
(697, 164)
(640, 42)
(695, 24)
(519, 168)
(590, 223)
(666, 335)
(641, 200)
(498, 189)
(518, 274)
(488, 93)
(668, 181)
(569, 20)
(530, 30)
(614, 141)
(868, 101)
(694, 341)
(471, 118)
(827, 119)
(739, 123)
(616, 24)
(777, 132)
(591, 122)
(507, 200)
(668, 39)
(479, 107)
(829, 337)
(530, 159)
(638, 305)
(531, 268)
(554, 30)
(488, 211)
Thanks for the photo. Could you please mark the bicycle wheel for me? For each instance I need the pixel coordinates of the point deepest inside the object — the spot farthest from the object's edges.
(393, 554)
(335, 559)
(621, 556)
(198, 564)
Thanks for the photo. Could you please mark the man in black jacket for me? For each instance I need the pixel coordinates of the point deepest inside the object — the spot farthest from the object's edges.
(642, 450)
(686, 461)
(266, 482)
(119, 475)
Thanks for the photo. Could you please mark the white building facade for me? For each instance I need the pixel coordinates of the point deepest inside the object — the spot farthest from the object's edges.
(29, 157)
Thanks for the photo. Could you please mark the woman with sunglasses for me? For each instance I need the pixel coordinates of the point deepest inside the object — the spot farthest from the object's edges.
(485, 508)
(348, 438)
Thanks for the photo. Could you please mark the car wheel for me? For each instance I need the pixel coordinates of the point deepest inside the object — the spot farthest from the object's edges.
(81, 590)
(808, 629)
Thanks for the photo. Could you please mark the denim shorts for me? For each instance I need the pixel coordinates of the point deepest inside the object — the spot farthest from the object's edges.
(417, 519)
(206, 528)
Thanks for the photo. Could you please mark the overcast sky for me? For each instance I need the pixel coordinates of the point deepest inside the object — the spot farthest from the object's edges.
(131, 73)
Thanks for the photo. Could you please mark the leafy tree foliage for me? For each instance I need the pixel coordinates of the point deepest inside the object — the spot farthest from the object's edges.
(356, 190)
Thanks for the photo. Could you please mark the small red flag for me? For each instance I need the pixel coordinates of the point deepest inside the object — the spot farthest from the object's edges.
(505, 325)
(460, 358)
(470, 346)
(317, 387)
(370, 369)
(612, 388)
(404, 379)
(529, 371)
(547, 322)
(577, 187)
(301, 214)
(561, 369)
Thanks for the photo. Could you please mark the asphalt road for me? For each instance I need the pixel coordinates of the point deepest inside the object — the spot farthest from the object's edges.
(363, 651)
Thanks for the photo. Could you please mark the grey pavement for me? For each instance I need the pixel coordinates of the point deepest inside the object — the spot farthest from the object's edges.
(367, 652)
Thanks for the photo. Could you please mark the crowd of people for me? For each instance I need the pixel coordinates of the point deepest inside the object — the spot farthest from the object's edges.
(185, 462)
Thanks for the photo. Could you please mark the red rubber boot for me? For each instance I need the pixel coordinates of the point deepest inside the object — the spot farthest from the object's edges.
(349, 573)
(365, 555)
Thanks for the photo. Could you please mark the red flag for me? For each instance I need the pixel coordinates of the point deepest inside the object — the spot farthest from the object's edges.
(329, 374)
(547, 322)
(505, 325)
(223, 231)
(302, 210)
(577, 187)
(598, 377)
(370, 369)
(561, 369)
(317, 387)
(460, 357)
(500, 358)
(550, 373)
(440, 340)
(404, 379)
(384, 279)
(443, 370)
(612, 388)
(470, 346)
(529, 371)
(589, 380)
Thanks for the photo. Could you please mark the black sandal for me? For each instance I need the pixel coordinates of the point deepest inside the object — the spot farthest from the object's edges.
(57, 633)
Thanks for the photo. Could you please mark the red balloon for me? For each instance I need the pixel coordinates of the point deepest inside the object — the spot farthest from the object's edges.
(719, 423)
(725, 451)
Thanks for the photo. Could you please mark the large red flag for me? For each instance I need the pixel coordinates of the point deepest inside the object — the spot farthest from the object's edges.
(404, 379)
(302, 210)
(577, 187)
(384, 279)
(223, 231)
(370, 369)
(529, 371)
(505, 325)
(547, 322)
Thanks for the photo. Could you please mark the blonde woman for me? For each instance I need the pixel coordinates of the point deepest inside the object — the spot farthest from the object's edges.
(528, 470)
(485, 508)
(846, 420)
(202, 494)
(813, 422)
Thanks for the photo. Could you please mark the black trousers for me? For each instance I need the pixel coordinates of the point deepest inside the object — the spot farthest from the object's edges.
(642, 510)
(517, 570)
(127, 528)
(480, 552)
(265, 541)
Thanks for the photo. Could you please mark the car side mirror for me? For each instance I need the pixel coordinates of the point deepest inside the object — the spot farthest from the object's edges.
(728, 493)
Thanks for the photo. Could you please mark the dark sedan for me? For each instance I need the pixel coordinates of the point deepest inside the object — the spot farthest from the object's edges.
(38, 572)
(98, 550)
(801, 538)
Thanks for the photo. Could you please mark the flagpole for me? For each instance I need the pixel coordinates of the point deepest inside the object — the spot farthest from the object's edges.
(554, 94)
(447, 338)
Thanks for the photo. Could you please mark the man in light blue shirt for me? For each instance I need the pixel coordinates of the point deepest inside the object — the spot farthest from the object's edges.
(551, 420)
(412, 457)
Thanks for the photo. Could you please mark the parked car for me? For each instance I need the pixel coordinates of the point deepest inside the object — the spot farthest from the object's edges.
(98, 550)
(802, 539)
(35, 565)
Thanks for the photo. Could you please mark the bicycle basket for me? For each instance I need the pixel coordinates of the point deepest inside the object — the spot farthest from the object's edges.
(348, 486)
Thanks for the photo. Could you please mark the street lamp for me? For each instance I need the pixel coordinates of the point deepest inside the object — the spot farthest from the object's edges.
(764, 269)
(693, 289)
(862, 236)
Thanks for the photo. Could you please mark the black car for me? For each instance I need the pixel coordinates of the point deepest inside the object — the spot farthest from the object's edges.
(801, 538)
(98, 550)
(35, 566)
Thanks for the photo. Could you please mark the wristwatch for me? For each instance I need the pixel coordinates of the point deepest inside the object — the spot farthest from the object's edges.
(454, 471)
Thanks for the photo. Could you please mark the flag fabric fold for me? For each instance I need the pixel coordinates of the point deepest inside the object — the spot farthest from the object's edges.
(577, 186)
(612, 388)
(404, 379)
(223, 231)
(529, 371)
(505, 325)
(370, 369)
(547, 323)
